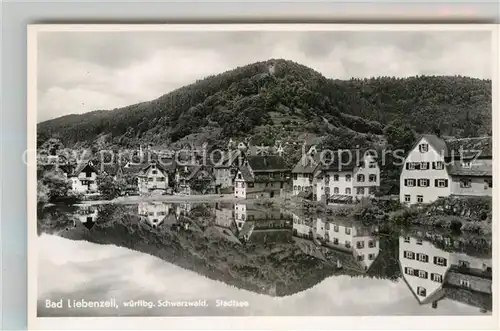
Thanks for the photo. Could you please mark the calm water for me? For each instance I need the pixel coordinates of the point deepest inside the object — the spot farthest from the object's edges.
(240, 259)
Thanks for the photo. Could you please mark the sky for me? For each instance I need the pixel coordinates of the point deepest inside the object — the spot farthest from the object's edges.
(80, 72)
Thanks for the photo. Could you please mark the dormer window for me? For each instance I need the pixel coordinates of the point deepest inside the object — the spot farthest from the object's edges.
(466, 164)
(373, 164)
(438, 165)
(421, 291)
(423, 148)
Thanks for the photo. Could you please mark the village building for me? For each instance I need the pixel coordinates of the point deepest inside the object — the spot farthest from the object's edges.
(262, 177)
(341, 177)
(152, 177)
(83, 177)
(194, 179)
(436, 167)
(225, 169)
(87, 215)
(433, 274)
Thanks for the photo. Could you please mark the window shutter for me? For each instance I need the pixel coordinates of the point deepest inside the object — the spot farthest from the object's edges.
(435, 259)
(446, 183)
(435, 182)
(433, 165)
(428, 183)
(417, 165)
(445, 262)
(407, 165)
(406, 182)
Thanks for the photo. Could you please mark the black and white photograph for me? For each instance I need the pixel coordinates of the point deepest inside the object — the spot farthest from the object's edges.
(256, 170)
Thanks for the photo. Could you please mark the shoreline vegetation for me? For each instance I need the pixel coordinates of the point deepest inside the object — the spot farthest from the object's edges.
(454, 213)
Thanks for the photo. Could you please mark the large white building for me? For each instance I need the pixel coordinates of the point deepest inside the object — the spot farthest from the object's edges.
(436, 168)
(345, 176)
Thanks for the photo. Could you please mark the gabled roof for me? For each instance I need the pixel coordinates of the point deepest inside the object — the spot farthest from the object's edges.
(267, 163)
(246, 174)
(343, 160)
(456, 147)
(82, 165)
(195, 170)
(479, 170)
(307, 164)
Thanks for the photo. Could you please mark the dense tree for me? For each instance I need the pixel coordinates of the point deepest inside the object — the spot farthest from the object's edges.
(109, 187)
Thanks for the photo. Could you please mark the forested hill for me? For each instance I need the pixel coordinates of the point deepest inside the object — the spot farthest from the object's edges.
(279, 99)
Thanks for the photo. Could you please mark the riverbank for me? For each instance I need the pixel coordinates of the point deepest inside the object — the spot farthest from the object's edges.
(456, 213)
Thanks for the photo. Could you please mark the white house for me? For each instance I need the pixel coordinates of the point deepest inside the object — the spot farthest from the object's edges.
(84, 178)
(152, 177)
(436, 168)
(349, 176)
(305, 171)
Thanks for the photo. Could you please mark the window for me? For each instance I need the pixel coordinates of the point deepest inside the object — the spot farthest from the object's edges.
(422, 274)
(441, 182)
(150, 179)
(154, 172)
(299, 188)
(419, 242)
(335, 178)
(336, 228)
(439, 165)
(466, 164)
(407, 198)
(423, 257)
(335, 241)
(440, 261)
(410, 182)
(360, 244)
(421, 291)
(295, 176)
(409, 255)
(373, 165)
(360, 190)
(295, 187)
(464, 283)
(347, 230)
(423, 148)
(437, 278)
(465, 182)
(371, 243)
(336, 190)
(372, 178)
(424, 165)
(347, 190)
(162, 213)
(327, 178)
(347, 178)
(423, 182)
(409, 271)
(371, 257)
(488, 183)
(151, 213)
(420, 198)
(407, 239)
(361, 257)
(347, 244)
(410, 166)
(361, 178)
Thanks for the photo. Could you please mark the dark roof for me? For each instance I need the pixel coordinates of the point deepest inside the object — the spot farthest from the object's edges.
(471, 146)
(466, 147)
(228, 158)
(267, 163)
(304, 194)
(343, 160)
(82, 165)
(307, 164)
(195, 170)
(478, 169)
(246, 174)
(111, 169)
(469, 297)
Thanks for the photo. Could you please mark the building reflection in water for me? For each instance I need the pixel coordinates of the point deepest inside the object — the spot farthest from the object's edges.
(87, 215)
(157, 213)
(433, 274)
(358, 246)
